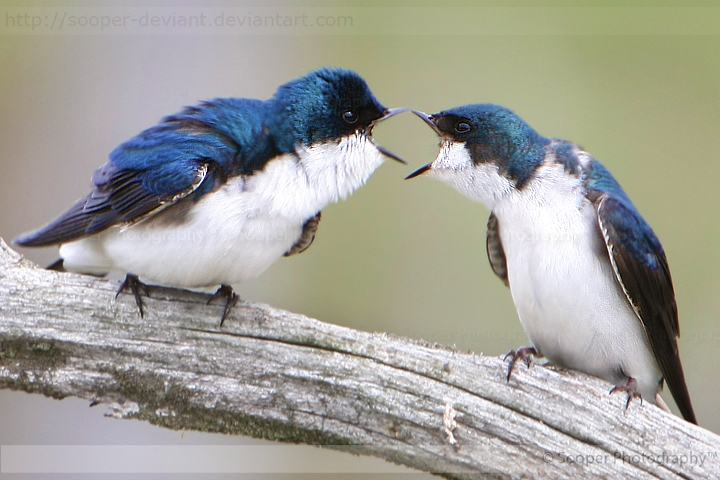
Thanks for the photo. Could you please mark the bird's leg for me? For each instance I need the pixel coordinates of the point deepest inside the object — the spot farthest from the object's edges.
(630, 387)
(133, 283)
(525, 354)
(231, 298)
(57, 265)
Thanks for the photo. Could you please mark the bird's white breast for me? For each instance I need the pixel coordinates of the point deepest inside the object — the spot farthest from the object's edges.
(568, 300)
(238, 231)
(565, 291)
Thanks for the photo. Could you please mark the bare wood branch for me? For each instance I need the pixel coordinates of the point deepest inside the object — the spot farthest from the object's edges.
(277, 375)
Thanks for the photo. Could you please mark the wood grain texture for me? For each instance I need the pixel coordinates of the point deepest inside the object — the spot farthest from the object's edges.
(277, 375)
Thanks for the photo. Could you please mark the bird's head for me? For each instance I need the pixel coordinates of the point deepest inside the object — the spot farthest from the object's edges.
(329, 106)
(486, 151)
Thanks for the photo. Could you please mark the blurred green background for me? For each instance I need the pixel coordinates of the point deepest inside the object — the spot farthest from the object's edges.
(637, 85)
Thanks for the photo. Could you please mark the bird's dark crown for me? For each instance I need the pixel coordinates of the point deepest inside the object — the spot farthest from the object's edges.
(323, 106)
(493, 133)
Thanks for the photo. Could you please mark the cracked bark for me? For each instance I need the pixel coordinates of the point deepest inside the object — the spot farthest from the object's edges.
(277, 375)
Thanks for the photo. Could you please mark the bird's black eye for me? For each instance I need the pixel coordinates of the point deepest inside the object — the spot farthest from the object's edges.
(350, 117)
(462, 127)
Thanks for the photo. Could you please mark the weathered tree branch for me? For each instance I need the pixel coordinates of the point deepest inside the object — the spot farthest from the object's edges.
(282, 376)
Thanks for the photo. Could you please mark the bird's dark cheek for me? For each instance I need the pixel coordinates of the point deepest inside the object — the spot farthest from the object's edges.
(346, 130)
(481, 153)
(446, 125)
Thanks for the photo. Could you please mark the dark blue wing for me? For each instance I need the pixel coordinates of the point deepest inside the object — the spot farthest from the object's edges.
(120, 196)
(184, 154)
(642, 270)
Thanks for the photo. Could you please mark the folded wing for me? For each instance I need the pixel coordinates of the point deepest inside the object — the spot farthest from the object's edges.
(641, 269)
(143, 176)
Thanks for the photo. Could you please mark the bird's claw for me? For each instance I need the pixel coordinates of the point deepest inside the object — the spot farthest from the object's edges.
(630, 388)
(231, 298)
(133, 283)
(526, 354)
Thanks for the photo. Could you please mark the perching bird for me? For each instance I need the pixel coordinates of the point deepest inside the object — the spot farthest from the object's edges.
(215, 194)
(588, 276)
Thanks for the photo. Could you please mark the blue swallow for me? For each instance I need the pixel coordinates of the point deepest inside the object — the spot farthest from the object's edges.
(588, 276)
(215, 194)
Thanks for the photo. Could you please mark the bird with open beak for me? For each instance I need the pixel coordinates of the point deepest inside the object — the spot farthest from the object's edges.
(215, 194)
(589, 278)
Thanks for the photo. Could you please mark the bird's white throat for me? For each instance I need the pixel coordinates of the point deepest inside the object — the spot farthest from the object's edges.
(482, 182)
(335, 170)
(298, 186)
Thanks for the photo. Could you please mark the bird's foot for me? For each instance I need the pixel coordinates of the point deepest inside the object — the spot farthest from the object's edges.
(133, 283)
(231, 298)
(525, 354)
(57, 266)
(630, 388)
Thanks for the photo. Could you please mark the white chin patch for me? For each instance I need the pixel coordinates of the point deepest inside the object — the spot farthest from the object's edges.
(337, 169)
(482, 183)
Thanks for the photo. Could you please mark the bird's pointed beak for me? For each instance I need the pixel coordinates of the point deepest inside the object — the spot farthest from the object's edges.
(428, 119)
(419, 171)
(389, 113)
(431, 123)
(384, 151)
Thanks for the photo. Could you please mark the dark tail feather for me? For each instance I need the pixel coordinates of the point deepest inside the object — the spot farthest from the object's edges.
(679, 391)
(686, 407)
(57, 266)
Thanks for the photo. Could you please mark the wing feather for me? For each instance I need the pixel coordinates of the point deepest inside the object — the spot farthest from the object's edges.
(119, 197)
(191, 152)
(642, 271)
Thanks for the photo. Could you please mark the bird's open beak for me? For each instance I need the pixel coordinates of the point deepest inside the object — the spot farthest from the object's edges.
(389, 113)
(428, 119)
(431, 123)
(390, 154)
(419, 171)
